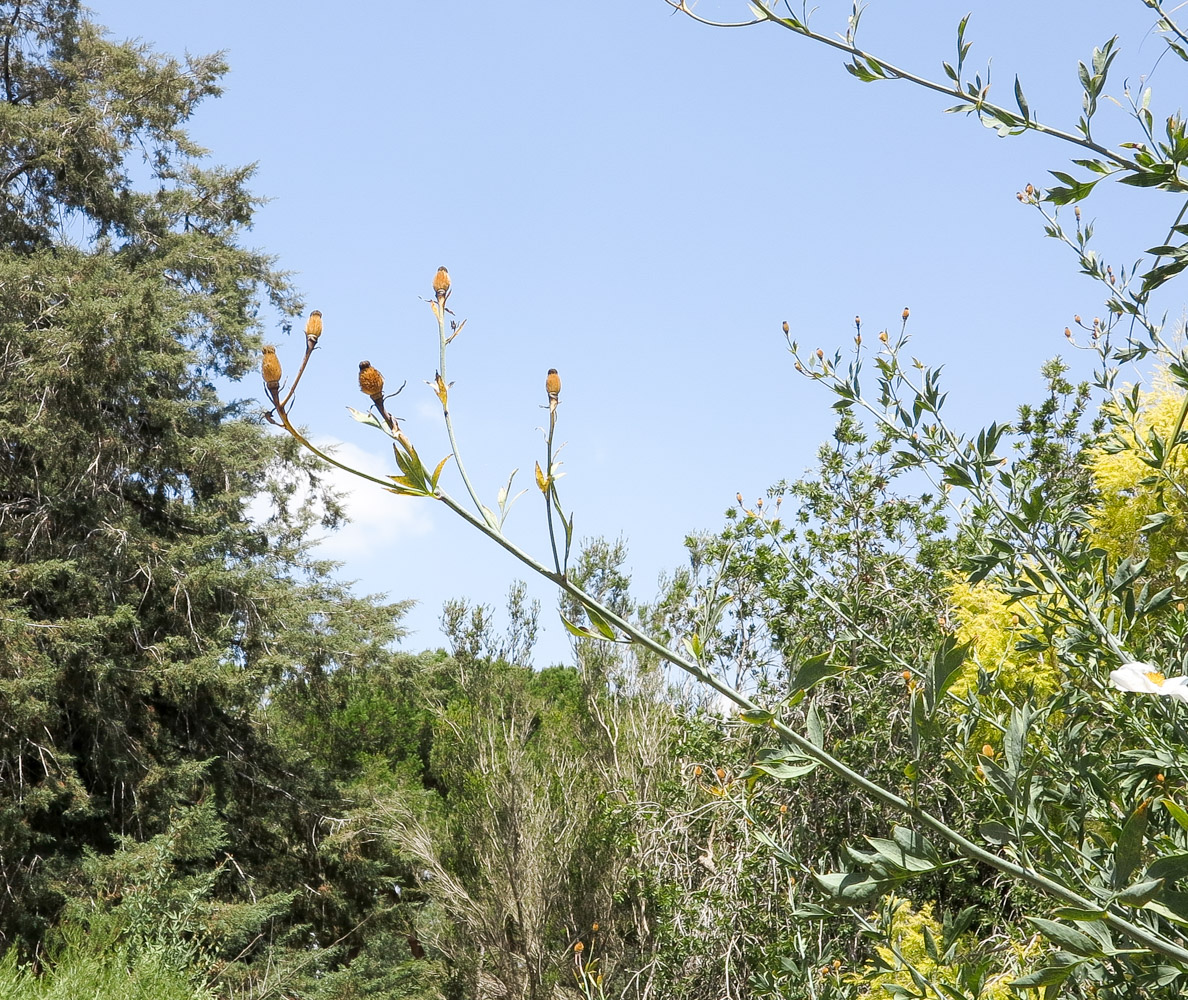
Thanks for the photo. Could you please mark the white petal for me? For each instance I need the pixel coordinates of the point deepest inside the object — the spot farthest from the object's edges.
(1135, 677)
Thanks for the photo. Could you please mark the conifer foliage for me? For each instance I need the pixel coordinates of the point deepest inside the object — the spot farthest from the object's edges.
(143, 615)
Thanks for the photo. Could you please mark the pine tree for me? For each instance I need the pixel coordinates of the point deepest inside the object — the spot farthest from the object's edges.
(144, 617)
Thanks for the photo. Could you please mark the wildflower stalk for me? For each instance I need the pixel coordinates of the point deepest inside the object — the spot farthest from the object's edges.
(439, 312)
(551, 488)
(986, 110)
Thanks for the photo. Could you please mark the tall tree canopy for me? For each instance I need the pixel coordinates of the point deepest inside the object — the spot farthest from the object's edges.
(143, 614)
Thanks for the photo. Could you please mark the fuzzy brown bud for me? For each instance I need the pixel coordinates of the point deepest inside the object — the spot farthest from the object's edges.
(313, 329)
(1068, 333)
(441, 284)
(786, 327)
(906, 313)
(553, 385)
(820, 354)
(883, 336)
(270, 368)
(371, 383)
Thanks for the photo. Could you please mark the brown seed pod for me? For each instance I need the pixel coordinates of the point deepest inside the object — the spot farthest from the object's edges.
(371, 383)
(553, 385)
(270, 368)
(441, 284)
(313, 329)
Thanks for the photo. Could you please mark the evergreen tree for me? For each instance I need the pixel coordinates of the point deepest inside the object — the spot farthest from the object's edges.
(144, 616)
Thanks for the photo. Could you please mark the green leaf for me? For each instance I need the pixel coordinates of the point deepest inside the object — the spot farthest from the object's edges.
(814, 669)
(580, 631)
(813, 730)
(437, 472)
(851, 887)
(1068, 938)
(758, 717)
(366, 418)
(995, 832)
(1052, 975)
(1020, 100)
(1128, 850)
(947, 662)
(785, 770)
(1141, 893)
(1076, 913)
(1178, 813)
(600, 623)
(898, 859)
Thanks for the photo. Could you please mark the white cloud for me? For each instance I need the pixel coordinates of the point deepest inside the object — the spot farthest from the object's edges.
(377, 519)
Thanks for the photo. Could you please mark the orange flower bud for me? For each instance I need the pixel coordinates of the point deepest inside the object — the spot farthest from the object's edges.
(786, 327)
(883, 336)
(697, 771)
(579, 947)
(987, 750)
(313, 329)
(906, 313)
(270, 368)
(1068, 333)
(553, 385)
(906, 675)
(783, 809)
(441, 284)
(371, 382)
(820, 354)
(721, 772)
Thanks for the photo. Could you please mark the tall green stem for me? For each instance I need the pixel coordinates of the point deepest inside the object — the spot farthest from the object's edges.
(445, 409)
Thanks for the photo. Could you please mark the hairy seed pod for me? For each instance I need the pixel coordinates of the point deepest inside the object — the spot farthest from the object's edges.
(371, 383)
(313, 329)
(270, 368)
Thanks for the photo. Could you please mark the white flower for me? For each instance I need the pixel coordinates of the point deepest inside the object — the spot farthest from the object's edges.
(1143, 677)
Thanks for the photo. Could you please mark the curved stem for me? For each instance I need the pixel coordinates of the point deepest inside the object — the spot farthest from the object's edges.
(894, 72)
(439, 311)
(549, 490)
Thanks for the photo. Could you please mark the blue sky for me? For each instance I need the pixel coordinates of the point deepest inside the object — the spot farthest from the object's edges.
(639, 201)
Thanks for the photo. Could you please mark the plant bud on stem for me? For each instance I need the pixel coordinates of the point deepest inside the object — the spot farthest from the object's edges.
(313, 329)
(553, 388)
(371, 383)
(441, 284)
(270, 368)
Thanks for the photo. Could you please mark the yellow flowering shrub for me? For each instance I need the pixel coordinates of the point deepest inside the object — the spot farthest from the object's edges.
(991, 625)
(1126, 500)
(907, 933)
